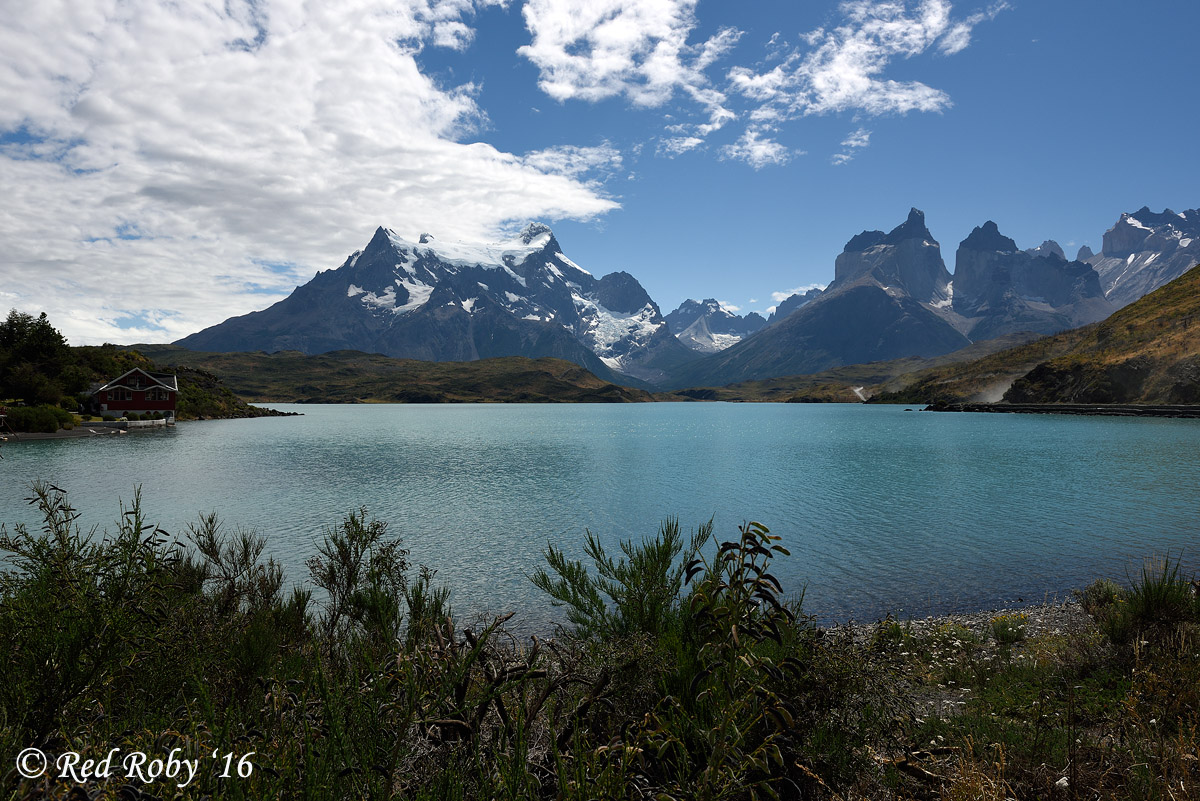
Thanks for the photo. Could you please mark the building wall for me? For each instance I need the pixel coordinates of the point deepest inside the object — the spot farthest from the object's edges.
(138, 404)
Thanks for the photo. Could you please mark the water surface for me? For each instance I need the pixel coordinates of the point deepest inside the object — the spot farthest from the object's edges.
(882, 508)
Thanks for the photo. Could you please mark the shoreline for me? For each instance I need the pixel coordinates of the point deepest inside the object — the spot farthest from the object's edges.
(1178, 411)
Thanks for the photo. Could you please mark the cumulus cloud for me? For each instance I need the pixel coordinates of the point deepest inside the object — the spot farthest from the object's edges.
(169, 164)
(593, 50)
(638, 49)
(596, 49)
(842, 68)
(757, 150)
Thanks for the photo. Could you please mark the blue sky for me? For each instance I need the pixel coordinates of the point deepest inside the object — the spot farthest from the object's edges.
(166, 168)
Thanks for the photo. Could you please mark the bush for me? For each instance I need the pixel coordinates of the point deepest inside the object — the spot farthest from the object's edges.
(44, 419)
(640, 593)
(1009, 629)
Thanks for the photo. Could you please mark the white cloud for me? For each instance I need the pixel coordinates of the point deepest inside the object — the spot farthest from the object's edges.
(958, 37)
(169, 164)
(679, 144)
(596, 49)
(593, 50)
(574, 161)
(729, 307)
(757, 151)
(780, 297)
(856, 140)
(843, 68)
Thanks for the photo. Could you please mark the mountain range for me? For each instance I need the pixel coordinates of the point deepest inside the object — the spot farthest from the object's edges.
(449, 301)
(1147, 352)
(707, 326)
(891, 297)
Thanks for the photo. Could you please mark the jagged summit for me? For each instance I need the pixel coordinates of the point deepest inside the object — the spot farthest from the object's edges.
(1048, 249)
(443, 300)
(535, 230)
(987, 237)
(707, 326)
(912, 228)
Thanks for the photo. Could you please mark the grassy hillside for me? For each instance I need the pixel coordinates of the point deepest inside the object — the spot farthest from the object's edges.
(355, 377)
(837, 385)
(1148, 352)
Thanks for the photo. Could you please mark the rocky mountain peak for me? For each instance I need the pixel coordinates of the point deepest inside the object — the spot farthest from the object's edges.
(1084, 253)
(621, 292)
(912, 228)
(1048, 249)
(987, 238)
(533, 231)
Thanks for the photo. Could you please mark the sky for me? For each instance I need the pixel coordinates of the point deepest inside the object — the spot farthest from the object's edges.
(165, 165)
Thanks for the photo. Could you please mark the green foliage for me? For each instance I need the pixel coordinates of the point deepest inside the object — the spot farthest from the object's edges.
(74, 608)
(727, 691)
(363, 572)
(38, 419)
(637, 593)
(1010, 628)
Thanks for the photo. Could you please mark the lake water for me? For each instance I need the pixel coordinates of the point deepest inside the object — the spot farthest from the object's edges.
(883, 509)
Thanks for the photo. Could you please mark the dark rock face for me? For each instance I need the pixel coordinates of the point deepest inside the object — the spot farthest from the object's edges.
(457, 302)
(792, 303)
(1145, 250)
(860, 323)
(1084, 253)
(908, 259)
(1081, 383)
(999, 289)
(1048, 248)
(707, 327)
(889, 299)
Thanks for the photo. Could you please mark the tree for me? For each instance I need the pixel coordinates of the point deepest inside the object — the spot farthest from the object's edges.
(32, 356)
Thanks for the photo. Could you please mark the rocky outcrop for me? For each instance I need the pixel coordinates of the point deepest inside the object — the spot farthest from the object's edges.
(1048, 248)
(707, 327)
(999, 289)
(908, 259)
(887, 301)
(1145, 250)
(793, 302)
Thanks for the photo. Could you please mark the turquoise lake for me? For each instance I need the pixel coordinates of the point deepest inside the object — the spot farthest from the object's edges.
(883, 509)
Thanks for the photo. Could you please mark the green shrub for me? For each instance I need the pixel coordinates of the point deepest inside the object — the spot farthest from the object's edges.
(44, 419)
(639, 593)
(1009, 629)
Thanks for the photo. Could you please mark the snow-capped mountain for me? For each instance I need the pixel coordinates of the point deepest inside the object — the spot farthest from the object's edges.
(1145, 250)
(452, 301)
(706, 326)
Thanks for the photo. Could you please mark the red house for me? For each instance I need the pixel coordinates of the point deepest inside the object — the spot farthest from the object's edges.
(137, 392)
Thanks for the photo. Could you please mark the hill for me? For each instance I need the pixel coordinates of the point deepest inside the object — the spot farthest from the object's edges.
(837, 385)
(355, 377)
(1148, 352)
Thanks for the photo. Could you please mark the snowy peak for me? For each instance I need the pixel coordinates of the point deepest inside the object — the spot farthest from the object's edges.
(1144, 250)
(707, 326)
(1049, 249)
